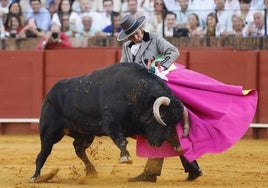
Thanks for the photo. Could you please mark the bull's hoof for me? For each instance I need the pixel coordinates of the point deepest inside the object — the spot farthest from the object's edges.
(125, 159)
(33, 179)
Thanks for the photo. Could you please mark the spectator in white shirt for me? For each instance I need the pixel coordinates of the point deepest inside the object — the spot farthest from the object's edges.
(133, 9)
(238, 27)
(256, 28)
(4, 6)
(183, 13)
(98, 5)
(87, 29)
(40, 14)
(245, 11)
(64, 7)
(193, 26)
(105, 16)
(156, 20)
(224, 16)
(213, 28)
(170, 26)
(85, 7)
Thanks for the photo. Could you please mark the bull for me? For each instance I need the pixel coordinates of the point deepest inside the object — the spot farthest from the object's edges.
(118, 101)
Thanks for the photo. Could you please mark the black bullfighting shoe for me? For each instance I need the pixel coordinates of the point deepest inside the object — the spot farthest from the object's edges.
(194, 175)
(144, 177)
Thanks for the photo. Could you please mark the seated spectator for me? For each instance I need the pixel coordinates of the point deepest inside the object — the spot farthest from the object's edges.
(64, 8)
(170, 26)
(53, 7)
(87, 29)
(257, 27)
(40, 14)
(86, 7)
(156, 20)
(4, 6)
(224, 16)
(183, 13)
(12, 26)
(238, 27)
(54, 39)
(30, 30)
(105, 16)
(245, 11)
(98, 5)
(193, 26)
(15, 9)
(112, 29)
(132, 8)
(212, 29)
(66, 27)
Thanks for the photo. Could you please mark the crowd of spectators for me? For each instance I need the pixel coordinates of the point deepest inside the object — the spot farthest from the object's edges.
(100, 18)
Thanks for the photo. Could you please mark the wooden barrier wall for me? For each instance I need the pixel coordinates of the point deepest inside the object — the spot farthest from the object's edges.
(26, 76)
(21, 87)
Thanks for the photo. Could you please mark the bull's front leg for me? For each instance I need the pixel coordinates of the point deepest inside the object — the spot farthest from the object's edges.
(121, 142)
(115, 131)
(124, 154)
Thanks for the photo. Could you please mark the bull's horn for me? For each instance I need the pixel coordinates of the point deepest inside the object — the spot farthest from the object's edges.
(186, 127)
(158, 102)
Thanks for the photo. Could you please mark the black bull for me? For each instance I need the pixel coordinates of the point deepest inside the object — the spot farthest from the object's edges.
(119, 101)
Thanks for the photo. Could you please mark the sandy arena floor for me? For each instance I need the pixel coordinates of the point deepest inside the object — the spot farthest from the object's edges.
(244, 165)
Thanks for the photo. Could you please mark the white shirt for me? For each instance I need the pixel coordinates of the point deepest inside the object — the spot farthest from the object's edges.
(172, 5)
(233, 5)
(249, 17)
(105, 20)
(135, 48)
(225, 19)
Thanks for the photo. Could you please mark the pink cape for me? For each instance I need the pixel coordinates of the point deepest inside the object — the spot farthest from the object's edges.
(220, 114)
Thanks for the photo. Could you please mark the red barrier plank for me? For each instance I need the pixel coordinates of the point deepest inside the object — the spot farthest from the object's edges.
(21, 80)
(231, 67)
(263, 86)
